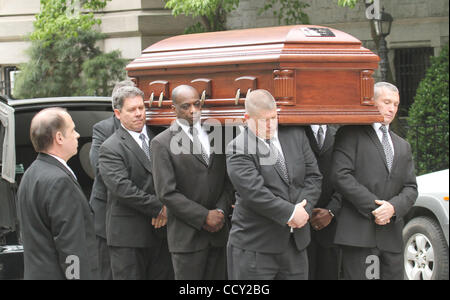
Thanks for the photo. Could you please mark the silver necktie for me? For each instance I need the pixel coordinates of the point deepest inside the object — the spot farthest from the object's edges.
(387, 147)
(145, 146)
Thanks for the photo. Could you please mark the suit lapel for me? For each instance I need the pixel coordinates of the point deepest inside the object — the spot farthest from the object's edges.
(312, 140)
(53, 161)
(131, 144)
(328, 141)
(187, 148)
(373, 136)
(396, 144)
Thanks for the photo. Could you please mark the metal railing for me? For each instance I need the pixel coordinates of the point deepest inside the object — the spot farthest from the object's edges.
(429, 143)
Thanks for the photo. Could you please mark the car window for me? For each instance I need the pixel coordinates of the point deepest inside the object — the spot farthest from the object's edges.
(84, 119)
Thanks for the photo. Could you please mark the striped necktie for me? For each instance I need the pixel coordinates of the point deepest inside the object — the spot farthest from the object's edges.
(387, 147)
(193, 131)
(280, 163)
(145, 146)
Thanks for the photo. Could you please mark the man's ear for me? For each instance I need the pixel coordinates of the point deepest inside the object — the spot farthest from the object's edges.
(172, 107)
(246, 116)
(59, 137)
(117, 113)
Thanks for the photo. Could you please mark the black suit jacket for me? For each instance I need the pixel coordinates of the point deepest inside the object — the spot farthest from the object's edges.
(100, 132)
(132, 201)
(329, 199)
(264, 200)
(189, 188)
(56, 222)
(361, 175)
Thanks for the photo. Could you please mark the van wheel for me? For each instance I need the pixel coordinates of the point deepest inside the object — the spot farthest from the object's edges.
(425, 250)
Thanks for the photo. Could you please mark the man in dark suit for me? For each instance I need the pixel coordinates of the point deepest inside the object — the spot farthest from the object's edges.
(100, 132)
(134, 214)
(55, 218)
(323, 254)
(277, 183)
(373, 170)
(191, 180)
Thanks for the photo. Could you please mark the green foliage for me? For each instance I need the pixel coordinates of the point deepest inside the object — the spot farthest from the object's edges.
(290, 11)
(350, 3)
(430, 143)
(64, 58)
(212, 12)
(63, 19)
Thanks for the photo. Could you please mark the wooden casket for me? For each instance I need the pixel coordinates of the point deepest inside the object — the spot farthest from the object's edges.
(318, 75)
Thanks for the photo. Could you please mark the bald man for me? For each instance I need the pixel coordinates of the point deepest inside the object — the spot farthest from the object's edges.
(277, 183)
(191, 181)
(55, 218)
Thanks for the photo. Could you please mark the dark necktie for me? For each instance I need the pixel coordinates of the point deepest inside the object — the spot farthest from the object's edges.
(280, 163)
(387, 147)
(193, 131)
(320, 138)
(145, 146)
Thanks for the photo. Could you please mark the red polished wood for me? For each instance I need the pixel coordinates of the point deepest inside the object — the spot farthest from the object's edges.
(314, 79)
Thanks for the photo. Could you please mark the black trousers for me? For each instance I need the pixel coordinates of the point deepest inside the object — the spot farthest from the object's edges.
(371, 263)
(104, 261)
(141, 263)
(324, 262)
(292, 264)
(207, 264)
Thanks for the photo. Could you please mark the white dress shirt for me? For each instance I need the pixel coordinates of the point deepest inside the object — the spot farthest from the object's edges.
(315, 129)
(275, 141)
(64, 164)
(376, 127)
(135, 135)
(202, 135)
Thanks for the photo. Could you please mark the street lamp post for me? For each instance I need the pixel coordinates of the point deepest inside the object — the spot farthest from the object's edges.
(383, 29)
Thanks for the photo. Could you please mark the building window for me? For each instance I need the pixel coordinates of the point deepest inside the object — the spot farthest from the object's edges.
(411, 65)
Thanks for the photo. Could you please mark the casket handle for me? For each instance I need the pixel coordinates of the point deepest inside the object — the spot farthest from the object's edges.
(151, 100)
(161, 96)
(203, 97)
(238, 95)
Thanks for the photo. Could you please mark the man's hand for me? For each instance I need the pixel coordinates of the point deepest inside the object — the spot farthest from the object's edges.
(321, 218)
(384, 213)
(300, 217)
(214, 221)
(161, 220)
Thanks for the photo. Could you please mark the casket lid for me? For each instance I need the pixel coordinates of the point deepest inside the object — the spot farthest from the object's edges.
(273, 44)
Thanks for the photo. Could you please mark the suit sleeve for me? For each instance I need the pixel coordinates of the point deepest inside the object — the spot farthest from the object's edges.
(226, 198)
(343, 174)
(249, 183)
(178, 204)
(313, 178)
(68, 226)
(98, 137)
(115, 174)
(405, 199)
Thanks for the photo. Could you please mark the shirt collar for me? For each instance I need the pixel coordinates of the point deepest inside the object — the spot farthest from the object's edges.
(64, 163)
(377, 126)
(137, 134)
(185, 127)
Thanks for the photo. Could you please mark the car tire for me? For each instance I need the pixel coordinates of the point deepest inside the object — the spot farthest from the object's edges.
(425, 250)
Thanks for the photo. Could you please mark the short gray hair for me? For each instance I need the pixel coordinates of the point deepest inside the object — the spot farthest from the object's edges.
(118, 86)
(379, 86)
(123, 93)
(259, 100)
